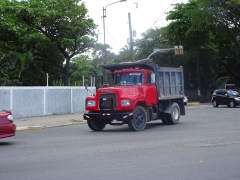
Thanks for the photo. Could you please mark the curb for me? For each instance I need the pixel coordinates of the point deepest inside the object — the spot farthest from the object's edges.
(24, 128)
(199, 103)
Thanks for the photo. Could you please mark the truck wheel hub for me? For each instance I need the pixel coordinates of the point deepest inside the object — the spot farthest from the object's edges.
(139, 119)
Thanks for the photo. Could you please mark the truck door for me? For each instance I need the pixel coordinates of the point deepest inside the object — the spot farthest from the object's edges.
(151, 90)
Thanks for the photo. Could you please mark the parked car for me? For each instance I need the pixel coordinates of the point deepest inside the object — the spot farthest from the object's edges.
(185, 100)
(231, 98)
(7, 128)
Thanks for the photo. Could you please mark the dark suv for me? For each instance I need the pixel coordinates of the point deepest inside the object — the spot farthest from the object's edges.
(231, 98)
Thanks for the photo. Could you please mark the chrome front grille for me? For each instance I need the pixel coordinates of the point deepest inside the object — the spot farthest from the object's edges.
(107, 101)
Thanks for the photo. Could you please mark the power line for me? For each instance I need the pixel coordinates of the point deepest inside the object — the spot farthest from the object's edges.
(161, 19)
(112, 37)
(160, 15)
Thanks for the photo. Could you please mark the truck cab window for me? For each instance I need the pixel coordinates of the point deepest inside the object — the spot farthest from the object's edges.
(151, 78)
(131, 78)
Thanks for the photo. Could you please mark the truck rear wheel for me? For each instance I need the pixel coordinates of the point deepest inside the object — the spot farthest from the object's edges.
(96, 125)
(174, 116)
(139, 121)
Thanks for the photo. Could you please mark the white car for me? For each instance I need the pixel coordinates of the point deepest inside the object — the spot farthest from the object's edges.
(185, 100)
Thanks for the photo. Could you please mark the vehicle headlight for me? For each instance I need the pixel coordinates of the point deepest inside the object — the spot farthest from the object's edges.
(237, 99)
(91, 103)
(125, 102)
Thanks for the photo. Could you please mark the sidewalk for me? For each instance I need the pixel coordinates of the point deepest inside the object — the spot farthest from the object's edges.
(48, 121)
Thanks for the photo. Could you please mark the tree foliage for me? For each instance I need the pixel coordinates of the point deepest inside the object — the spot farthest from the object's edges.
(50, 36)
(54, 31)
(206, 30)
(81, 66)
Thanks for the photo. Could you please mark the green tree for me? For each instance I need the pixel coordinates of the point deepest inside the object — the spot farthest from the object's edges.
(12, 50)
(153, 39)
(195, 26)
(8, 70)
(81, 66)
(124, 55)
(54, 30)
(225, 15)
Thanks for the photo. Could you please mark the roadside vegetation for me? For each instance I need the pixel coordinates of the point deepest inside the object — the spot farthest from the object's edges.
(59, 38)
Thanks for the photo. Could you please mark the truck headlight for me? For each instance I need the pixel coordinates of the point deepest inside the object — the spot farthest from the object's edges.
(91, 103)
(125, 102)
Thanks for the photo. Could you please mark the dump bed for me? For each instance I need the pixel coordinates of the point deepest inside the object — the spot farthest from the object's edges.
(170, 83)
(169, 80)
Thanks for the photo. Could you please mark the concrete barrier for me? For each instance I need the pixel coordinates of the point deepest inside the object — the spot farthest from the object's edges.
(41, 101)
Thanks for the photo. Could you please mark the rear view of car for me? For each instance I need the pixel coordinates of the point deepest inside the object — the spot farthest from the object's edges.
(7, 128)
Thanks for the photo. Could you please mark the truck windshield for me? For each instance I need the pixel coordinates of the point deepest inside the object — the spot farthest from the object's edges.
(131, 78)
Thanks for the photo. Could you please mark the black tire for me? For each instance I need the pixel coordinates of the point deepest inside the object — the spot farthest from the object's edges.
(139, 121)
(174, 116)
(164, 118)
(96, 125)
(214, 103)
(232, 104)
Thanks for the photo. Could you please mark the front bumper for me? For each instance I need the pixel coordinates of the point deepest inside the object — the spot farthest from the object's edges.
(119, 116)
(237, 102)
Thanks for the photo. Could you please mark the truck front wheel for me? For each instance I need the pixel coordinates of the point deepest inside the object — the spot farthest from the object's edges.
(139, 120)
(174, 116)
(96, 125)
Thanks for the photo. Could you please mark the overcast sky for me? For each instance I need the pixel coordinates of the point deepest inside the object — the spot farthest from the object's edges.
(145, 14)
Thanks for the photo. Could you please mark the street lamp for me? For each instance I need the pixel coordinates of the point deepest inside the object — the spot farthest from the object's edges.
(104, 54)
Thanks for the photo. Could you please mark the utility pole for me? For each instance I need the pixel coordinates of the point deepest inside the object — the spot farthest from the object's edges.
(105, 51)
(131, 38)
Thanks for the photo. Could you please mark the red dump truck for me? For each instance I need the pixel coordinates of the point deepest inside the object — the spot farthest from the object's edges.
(141, 92)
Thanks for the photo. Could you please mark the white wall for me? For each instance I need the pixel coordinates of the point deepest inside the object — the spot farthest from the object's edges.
(41, 101)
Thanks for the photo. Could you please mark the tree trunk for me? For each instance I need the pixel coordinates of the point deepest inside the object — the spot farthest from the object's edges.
(66, 72)
(198, 71)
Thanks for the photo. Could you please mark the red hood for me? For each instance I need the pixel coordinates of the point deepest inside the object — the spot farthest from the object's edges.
(123, 90)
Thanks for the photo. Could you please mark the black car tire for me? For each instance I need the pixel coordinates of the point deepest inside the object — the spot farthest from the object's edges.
(96, 125)
(139, 120)
(232, 104)
(214, 103)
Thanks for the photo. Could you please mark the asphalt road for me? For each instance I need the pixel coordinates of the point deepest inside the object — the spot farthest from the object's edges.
(204, 145)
